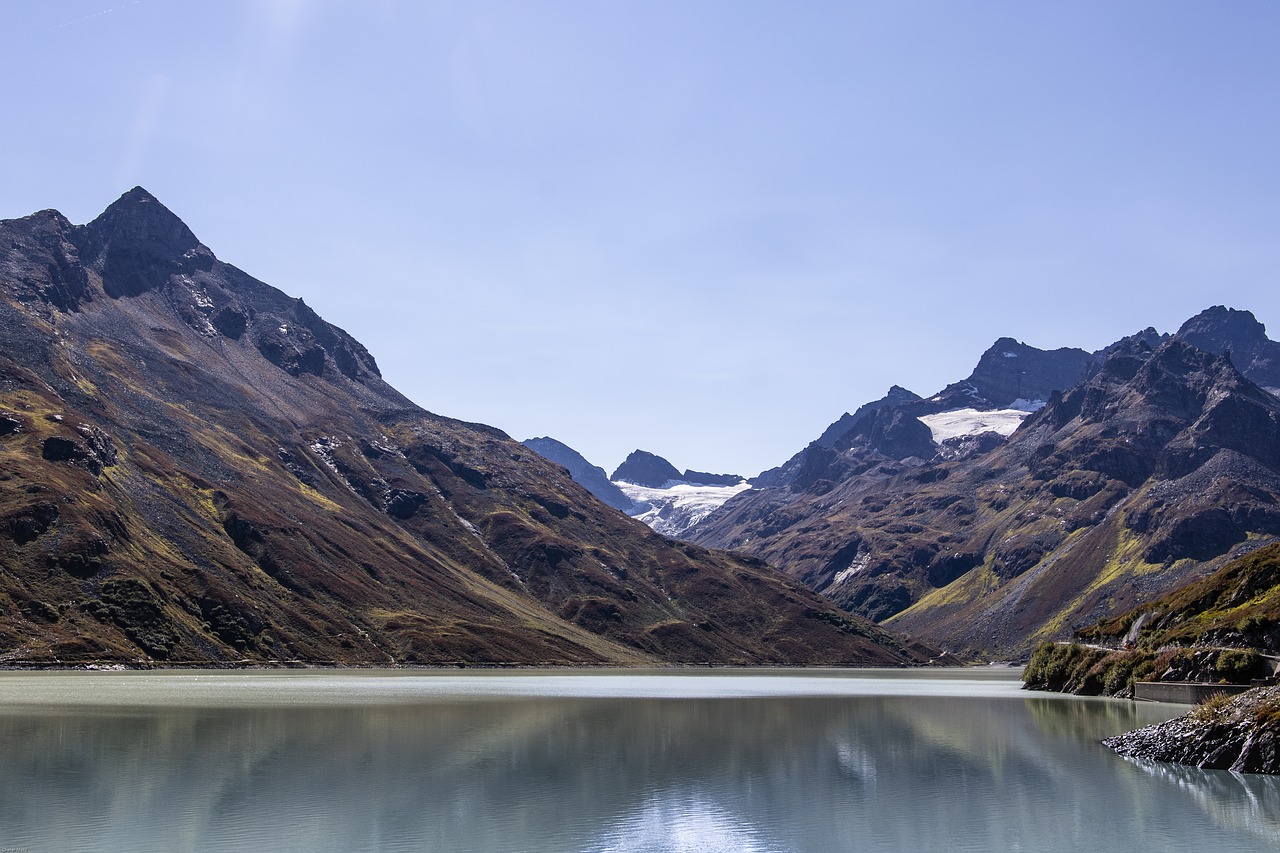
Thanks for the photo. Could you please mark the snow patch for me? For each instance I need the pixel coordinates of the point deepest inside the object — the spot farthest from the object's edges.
(858, 565)
(962, 422)
(1010, 355)
(676, 506)
(1024, 405)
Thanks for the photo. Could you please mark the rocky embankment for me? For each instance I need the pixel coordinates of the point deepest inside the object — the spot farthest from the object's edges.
(1240, 733)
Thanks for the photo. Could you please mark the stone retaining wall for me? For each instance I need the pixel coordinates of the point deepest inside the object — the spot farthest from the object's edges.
(1182, 692)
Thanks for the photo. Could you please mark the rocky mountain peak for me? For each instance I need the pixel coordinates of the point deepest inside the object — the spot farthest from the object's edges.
(1215, 327)
(645, 469)
(892, 431)
(1010, 371)
(1227, 331)
(1178, 360)
(137, 243)
(896, 396)
(137, 219)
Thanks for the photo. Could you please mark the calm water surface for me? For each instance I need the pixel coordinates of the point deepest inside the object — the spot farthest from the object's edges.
(740, 761)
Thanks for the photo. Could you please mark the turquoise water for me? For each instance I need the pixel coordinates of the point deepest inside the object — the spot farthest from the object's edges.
(694, 760)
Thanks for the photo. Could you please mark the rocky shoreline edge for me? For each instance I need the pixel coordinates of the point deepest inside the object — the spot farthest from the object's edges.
(1240, 733)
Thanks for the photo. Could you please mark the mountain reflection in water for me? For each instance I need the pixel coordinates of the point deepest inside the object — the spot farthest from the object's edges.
(551, 772)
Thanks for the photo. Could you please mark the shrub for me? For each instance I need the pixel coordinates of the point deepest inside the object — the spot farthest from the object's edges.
(1237, 665)
(1064, 667)
(1210, 709)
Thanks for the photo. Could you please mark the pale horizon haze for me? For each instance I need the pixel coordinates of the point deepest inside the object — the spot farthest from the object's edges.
(704, 229)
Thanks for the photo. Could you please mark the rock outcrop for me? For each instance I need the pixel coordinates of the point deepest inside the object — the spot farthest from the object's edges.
(646, 469)
(1241, 734)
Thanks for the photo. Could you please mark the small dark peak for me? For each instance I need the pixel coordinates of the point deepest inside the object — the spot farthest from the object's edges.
(705, 478)
(897, 396)
(1178, 358)
(1011, 373)
(1148, 337)
(138, 218)
(1239, 335)
(138, 243)
(42, 261)
(894, 432)
(1123, 359)
(1177, 377)
(646, 469)
(1219, 328)
(48, 220)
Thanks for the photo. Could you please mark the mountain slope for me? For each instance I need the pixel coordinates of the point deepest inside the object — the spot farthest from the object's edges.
(1238, 605)
(1147, 475)
(196, 467)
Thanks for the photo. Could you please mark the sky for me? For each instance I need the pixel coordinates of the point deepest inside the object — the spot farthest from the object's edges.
(701, 228)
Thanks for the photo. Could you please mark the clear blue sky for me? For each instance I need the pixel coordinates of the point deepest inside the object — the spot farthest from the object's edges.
(702, 228)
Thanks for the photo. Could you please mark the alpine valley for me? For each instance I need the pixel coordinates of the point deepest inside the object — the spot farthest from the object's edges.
(195, 467)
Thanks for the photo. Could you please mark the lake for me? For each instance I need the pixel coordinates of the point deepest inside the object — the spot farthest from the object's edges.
(595, 761)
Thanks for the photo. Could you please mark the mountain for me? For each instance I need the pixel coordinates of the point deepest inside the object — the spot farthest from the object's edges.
(645, 469)
(591, 477)
(1239, 335)
(1152, 471)
(1010, 381)
(1012, 375)
(195, 467)
(822, 450)
(667, 500)
(897, 396)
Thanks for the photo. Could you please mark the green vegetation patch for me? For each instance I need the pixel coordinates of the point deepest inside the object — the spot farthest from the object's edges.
(131, 605)
(1090, 671)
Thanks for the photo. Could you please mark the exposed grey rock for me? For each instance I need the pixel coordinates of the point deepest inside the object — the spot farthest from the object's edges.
(646, 469)
(1242, 735)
